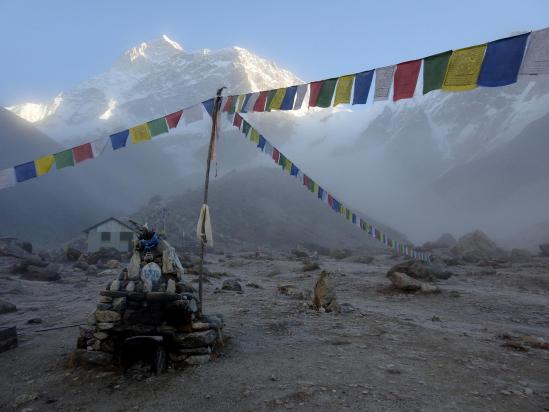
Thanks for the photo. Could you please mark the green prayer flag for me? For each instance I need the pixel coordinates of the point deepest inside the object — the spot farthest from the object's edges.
(64, 159)
(326, 93)
(270, 98)
(158, 126)
(245, 127)
(434, 70)
(282, 160)
(232, 107)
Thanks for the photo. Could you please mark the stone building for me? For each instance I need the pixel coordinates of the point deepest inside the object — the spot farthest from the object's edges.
(111, 232)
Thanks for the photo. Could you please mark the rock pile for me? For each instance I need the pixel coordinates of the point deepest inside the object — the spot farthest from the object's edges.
(324, 295)
(413, 276)
(149, 304)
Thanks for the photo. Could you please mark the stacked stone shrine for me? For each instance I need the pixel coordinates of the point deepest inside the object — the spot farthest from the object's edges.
(149, 314)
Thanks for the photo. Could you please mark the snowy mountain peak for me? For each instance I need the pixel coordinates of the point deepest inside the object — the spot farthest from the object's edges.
(156, 51)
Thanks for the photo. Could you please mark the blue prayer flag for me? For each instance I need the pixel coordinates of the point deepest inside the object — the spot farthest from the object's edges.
(25, 171)
(294, 171)
(354, 218)
(502, 61)
(209, 106)
(118, 140)
(288, 101)
(363, 82)
(320, 192)
(245, 104)
(262, 142)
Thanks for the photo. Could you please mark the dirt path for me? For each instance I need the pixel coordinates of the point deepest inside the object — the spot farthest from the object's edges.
(392, 352)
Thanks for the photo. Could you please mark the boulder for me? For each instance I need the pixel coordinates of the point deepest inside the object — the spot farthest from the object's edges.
(422, 271)
(196, 339)
(408, 284)
(231, 284)
(340, 253)
(81, 264)
(475, 247)
(112, 264)
(544, 248)
(107, 316)
(310, 266)
(6, 307)
(91, 270)
(49, 273)
(10, 246)
(8, 338)
(293, 292)
(324, 295)
(72, 254)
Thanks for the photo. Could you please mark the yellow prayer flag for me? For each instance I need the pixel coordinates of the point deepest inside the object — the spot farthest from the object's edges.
(44, 164)
(240, 102)
(254, 136)
(278, 98)
(140, 133)
(463, 69)
(288, 166)
(343, 90)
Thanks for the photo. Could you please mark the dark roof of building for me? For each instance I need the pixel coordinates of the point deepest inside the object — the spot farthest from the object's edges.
(122, 221)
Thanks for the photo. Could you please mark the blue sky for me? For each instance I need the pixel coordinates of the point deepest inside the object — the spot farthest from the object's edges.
(51, 46)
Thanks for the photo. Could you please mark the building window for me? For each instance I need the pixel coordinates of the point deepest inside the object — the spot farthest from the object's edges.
(105, 236)
(126, 236)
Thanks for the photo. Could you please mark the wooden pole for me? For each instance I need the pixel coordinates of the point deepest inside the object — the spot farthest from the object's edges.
(215, 112)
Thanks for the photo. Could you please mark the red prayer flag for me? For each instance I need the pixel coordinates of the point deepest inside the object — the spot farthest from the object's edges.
(83, 152)
(276, 155)
(406, 79)
(228, 104)
(173, 119)
(259, 105)
(237, 122)
(314, 92)
(330, 200)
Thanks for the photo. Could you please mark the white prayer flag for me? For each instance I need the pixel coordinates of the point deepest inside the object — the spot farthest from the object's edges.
(194, 113)
(536, 58)
(7, 178)
(384, 79)
(251, 102)
(300, 95)
(99, 145)
(204, 226)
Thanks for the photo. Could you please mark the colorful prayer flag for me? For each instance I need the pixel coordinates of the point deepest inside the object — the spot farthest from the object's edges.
(99, 145)
(288, 166)
(25, 171)
(289, 96)
(276, 155)
(247, 97)
(261, 143)
(502, 61)
(240, 103)
(193, 114)
(158, 126)
(270, 96)
(233, 103)
(209, 106)
(173, 119)
(259, 104)
(44, 164)
(464, 68)
(326, 93)
(300, 96)
(7, 178)
(226, 103)
(82, 152)
(251, 102)
(363, 82)
(314, 92)
(237, 120)
(343, 90)
(434, 70)
(406, 75)
(118, 140)
(246, 128)
(64, 159)
(254, 136)
(294, 170)
(276, 102)
(384, 79)
(536, 58)
(140, 133)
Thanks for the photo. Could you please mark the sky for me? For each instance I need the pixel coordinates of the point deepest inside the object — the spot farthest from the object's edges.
(52, 45)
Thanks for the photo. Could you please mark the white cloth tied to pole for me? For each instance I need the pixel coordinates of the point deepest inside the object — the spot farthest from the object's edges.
(204, 221)
(193, 114)
(7, 178)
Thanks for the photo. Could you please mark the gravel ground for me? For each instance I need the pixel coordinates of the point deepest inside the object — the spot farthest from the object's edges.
(385, 351)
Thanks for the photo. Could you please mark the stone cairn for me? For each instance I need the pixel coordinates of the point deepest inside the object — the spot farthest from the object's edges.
(149, 302)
